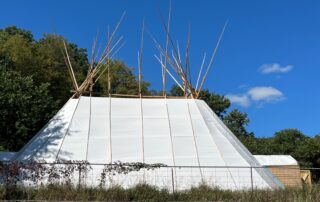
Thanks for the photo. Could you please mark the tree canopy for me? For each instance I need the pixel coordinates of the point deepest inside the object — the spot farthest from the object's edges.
(42, 59)
(24, 108)
(122, 80)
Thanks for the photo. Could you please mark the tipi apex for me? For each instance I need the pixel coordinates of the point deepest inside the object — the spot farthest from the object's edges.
(184, 134)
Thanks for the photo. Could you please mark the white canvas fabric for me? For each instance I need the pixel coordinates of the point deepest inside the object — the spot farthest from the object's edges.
(184, 134)
(7, 156)
(276, 160)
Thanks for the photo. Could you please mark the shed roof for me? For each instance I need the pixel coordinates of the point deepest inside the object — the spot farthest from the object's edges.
(276, 160)
(7, 156)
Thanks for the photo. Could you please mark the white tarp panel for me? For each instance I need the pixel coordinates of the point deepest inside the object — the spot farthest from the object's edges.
(207, 149)
(183, 134)
(44, 145)
(126, 130)
(7, 156)
(75, 143)
(227, 150)
(156, 131)
(276, 160)
(99, 137)
(232, 150)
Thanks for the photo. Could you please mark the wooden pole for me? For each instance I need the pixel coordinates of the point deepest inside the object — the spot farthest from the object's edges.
(140, 56)
(70, 66)
(164, 69)
(172, 180)
(212, 57)
(101, 64)
(188, 74)
(167, 46)
(200, 72)
(108, 47)
(93, 52)
(180, 69)
(177, 67)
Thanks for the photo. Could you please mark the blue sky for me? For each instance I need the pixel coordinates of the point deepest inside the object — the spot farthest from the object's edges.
(268, 63)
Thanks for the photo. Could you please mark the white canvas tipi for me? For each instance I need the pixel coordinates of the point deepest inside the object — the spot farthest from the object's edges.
(184, 134)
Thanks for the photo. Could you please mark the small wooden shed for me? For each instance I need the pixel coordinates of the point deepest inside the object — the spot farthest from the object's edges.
(284, 167)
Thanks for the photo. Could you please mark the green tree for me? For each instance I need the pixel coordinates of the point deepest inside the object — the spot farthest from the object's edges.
(24, 108)
(17, 54)
(43, 59)
(15, 31)
(288, 140)
(51, 60)
(264, 146)
(122, 80)
(237, 122)
(175, 90)
(218, 103)
(17, 51)
(309, 152)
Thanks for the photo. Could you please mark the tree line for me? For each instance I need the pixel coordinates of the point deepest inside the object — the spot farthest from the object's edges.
(34, 85)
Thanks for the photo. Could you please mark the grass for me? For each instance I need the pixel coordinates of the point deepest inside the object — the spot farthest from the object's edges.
(143, 192)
